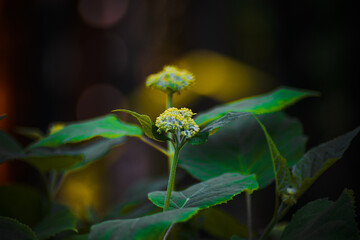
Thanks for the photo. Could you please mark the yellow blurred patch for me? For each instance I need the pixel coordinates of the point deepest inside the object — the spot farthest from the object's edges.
(55, 127)
(82, 189)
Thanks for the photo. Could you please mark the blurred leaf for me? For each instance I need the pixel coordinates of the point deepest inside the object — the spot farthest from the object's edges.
(9, 148)
(12, 229)
(147, 124)
(209, 193)
(319, 159)
(266, 103)
(50, 162)
(71, 157)
(324, 220)
(107, 126)
(150, 227)
(3, 116)
(32, 133)
(59, 219)
(281, 170)
(21, 202)
(220, 224)
(241, 147)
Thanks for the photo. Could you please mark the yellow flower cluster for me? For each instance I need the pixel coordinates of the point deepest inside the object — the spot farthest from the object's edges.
(170, 80)
(178, 121)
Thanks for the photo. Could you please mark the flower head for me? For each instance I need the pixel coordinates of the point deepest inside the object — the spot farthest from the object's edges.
(170, 79)
(178, 121)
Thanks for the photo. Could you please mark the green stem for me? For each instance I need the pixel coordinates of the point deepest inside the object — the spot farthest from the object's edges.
(170, 186)
(170, 148)
(248, 211)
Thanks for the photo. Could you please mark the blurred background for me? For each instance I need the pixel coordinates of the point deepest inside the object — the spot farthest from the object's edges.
(67, 60)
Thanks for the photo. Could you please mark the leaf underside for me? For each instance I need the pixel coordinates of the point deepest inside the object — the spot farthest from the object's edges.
(317, 160)
(324, 220)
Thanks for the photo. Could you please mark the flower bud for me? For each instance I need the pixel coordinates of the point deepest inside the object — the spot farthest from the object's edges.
(170, 80)
(177, 121)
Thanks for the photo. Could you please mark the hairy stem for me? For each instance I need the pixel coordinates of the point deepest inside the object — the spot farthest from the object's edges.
(154, 145)
(248, 211)
(170, 148)
(170, 186)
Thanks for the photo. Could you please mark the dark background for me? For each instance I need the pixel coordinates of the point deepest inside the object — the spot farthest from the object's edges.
(71, 60)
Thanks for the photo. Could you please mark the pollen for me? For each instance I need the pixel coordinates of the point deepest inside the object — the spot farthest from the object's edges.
(178, 121)
(170, 79)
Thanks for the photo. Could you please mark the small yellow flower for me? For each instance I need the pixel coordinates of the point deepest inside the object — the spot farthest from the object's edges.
(170, 79)
(178, 121)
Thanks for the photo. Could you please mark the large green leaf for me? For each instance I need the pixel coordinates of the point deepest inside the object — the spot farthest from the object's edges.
(270, 102)
(9, 148)
(107, 126)
(150, 227)
(281, 169)
(12, 229)
(71, 157)
(319, 159)
(209, 193)
(324, 220)
(241, 147)
(59, 219)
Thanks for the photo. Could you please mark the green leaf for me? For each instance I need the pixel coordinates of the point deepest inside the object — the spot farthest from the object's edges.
(324, 220)
(241, 147)
(71, 157)
(9, 148)
(319, 159)
(21, 202)
(147, 124)
(150, 227)
(59, 219)
(281, 170)
(202, 136)
(31, 133)
(12, 229)
(275, 100)
(107, 126)
(209, 193)
(56, 162)
(220, 224)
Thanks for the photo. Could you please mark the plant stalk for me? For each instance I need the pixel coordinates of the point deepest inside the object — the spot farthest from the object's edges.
(170, 148)
(170, 186)
(248, 211)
